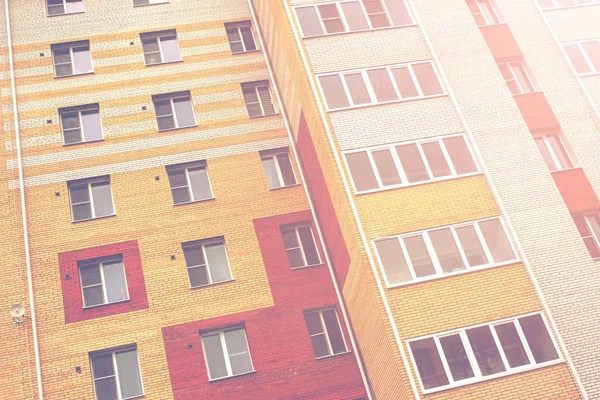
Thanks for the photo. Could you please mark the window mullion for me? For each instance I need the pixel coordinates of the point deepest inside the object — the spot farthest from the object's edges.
(425, 161)
(592, 233)
(447, 157)
(92, 211)
(172, 103)
(470, 353)
(116, 368)
(225, 353)
(104, 292)
(320, 20)
(375, 169)
(81, 125)
(398, 165)
(364, 10)
(208, 272)
(500, 348)
(369, 86)
(160, 49)
(552, 153)
(394, 84)
(327, 340)
(189, 183)
(278, 170)
(262, 110)
(407, 259)
(239, 30)
(387, 14)
(71, 54)
(342, 17)
(346, 90)
(415, 80)
(514, 77)
(459, 247)
(301, 246)
(484, 244)
(524, 341)
(588, 60)
(432, 254)
(440, 350)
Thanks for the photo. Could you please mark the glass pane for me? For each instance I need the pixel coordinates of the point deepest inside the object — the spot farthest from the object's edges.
(313, 323)
(446, 250)
(592, 247)
(254, 110)
(150, 45)
(547, 3)
(64, 70)
(419, 256)
(115, 281)
(265, 100)
(357, 88)
(581, 225)
(521, 77)
(217, 262)
(170, 49)
(331, 18)
(393, 260)
(398, 12)
(460, 155)
(429, 363)
(69, 120)
(593, 52)
(128, 369)
(309, 21)
(577, 59)
(295, 258)
(427, 79)
(102, 366)
(308, 244)
(79, 193)
(184, 112)
(388, 173)
(82, 211)
(379, 20)
(412, 163)
(594, 222)
(373, 6)
(165, 123)
(336, 339)
(241, 363)
(511, 344)
(541, 144)
(213, 351)
(198, 276)
(62, 56)
(152, 58)
(354, 16)
(405, 82)
(456, 356)
(177, 178)
(328, 11)
(92, 126)
(488, 12)
(271, 173)
(74, 6)
(181, 195)
(248, 38)
(496, 240)
(200, 184)
(73, 136)
(83, 60)
(163, 107)
(103, 204)
(436, 159)
(289, 238)
(250, 95)
(56, 9)
(538, 338)
(382, 85)
(236, 341)
(92, 296)
(106, 389)
(287, 171)
(90, 275)
(335, 96)
(486, 352)
(361, 171)
(319, 344)
(566, 3)
(559, 151)
(233, 34)
(471, 246)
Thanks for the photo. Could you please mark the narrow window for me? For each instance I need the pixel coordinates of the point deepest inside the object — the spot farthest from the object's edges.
(61, 7)
(386, 167)
(325, 332)
(240, 36)
(309, 21)
(148, 2)
(517, 77)
(585, 56)
(376, 13)
(300, 245)
(554, 153)
(457, 358)
(91, 198)
(579, 61)
(382, 85)
(427, 78)
(511, 343)
(588, 226)
(81, 124)
(334, 92)
(189, 182)
(539, 340)
(393, 260)
(174, 111)
(412, 163)
(484, 11)
(460, 155)
(117, 375)
(278, 169)
(160, 47)
(257, 96)
(103, 281)
(592, 50)
(357, 88)
(486, 350)
(436, 159)
(361, 171)
(330, 16)
(419, 256)
(72, 58)
(207, 262)
(355, 16)
(496, 240)
(398, 11)
(446, 250)
(226, 353)
(405, 82)
(429, 363)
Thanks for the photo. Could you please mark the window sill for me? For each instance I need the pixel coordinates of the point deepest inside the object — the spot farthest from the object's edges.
(105, 304)
(451, 274)
(263, 116)
(165, 63)
(93, 219)
(284, 187)
(333, 355)
(575, 6)
(246, 52)
(386, 102)
(443, 179)
(586, 74)
(151, 4)
(73, 75)
(85, 142)
(211, 284)
(230, 377)
(193, 202)
(528, 93)
(498, 24)
(360, 31)
(307, 266)
(177, 129)
(63, 14)
(558, 171)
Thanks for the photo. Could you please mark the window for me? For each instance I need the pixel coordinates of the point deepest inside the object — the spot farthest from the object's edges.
(117, 375)
(553, 151)
(148, 2)
(300, 245)
(517, 77)
(240, 36)
(91, 198)
(61, 7)
(380, 85)
(226, 353)
(351, 16)
(588, 226)
(549, 4)
(325, 332)
(472, 354)
(278, 168)
(441, 251)
(189, 182)
(403, 164)
(72, 58)
(206, 262)
(81, 124)
(585, 56)
(485, 12)
(174, 111)
(160, 47)
(103, 281)
(258, 99)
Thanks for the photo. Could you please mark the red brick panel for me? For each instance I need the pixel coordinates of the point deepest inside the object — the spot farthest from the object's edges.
(501, 41)
(576, 190)
(536, 111)
(71, 288)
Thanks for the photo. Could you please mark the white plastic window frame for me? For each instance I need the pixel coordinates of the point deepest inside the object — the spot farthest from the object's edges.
(79, 111)
(371, 91)
(294, 228)
(275, 159)
(116, 372)
(326, 332)
(64, 2)
(478, 377)
(439, 272)
(493, 7)
(160, 49)
(91, 201)
(226, 353)
(513, 64)
(85, 264)
(72, 62)
(202, 244)
(590, 64)
(186, 170)
(344, 20)
(552, 153)
(557, 6)
(174, 115)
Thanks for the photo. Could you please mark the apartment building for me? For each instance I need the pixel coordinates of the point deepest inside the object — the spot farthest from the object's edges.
(300, 199)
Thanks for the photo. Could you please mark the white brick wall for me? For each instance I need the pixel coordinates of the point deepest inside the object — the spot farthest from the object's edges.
(575, 23)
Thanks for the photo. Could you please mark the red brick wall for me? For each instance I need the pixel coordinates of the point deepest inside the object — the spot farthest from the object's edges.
(71, 288)
(536, 111)
(501, 41)
(278, 339)
(576, 190)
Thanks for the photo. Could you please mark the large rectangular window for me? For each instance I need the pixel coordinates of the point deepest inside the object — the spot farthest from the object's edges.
(352, 16)
(174, 110)
(485, 12)
(325, 333)
(588, 226)
(380, 85)
(278, 168)
(300, 245)
(103, 281)
(518, 77)
(585, 56)
(81, 124)
(117, 375)
(446, 250)
(226, 353)
(550, 4)
(404, 164)
(91, 198)
(61, 7)
(257, 96)
(73, 58)
(207, 262)
(553, 151)
(240, 36)
(189, 182)
(160, 47)
(475, 353)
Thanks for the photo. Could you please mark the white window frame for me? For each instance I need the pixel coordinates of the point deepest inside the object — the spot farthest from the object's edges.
(344, 20)
(173, 114)
(151, 3)
(525, 67)
(157, 36)
(398, 164)
(89, 184)
(100, 263)
(494, 8)
(326, 332)
(79, 111)
(259, 102)
(64, 2)
(72, 62)
(295, 227)
(226, 354)
(189, 183)
(579, 44)
(371, 91)
(589, 226)
(116, 371)
(202, 244)
(439, 272)
(557, 6)
(237, 26)
(551, 151)
(478, 377)
(273, 156)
